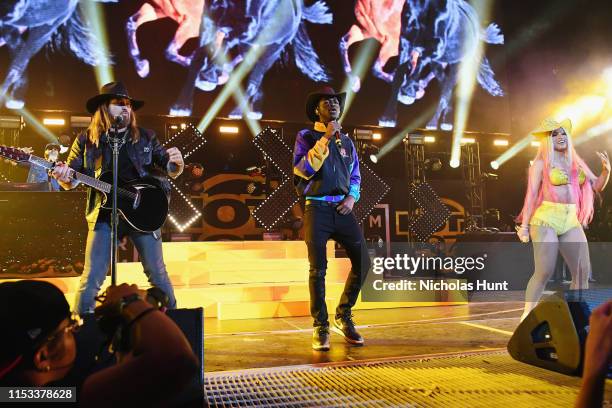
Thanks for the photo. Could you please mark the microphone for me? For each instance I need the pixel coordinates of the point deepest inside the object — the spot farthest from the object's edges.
(338, 140)
(119, 121)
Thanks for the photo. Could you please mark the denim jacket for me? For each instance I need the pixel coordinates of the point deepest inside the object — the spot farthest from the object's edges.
(147, 155)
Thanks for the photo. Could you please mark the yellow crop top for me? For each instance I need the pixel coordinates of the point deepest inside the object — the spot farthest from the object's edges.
(559, 177)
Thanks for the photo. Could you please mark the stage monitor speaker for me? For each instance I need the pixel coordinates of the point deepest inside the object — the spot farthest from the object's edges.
(91, 357)
(552, 336)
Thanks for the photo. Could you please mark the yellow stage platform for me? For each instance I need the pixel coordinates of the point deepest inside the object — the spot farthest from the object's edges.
(242, 279)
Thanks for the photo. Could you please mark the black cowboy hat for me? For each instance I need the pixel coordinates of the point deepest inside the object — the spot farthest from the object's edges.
(324, 93)
(110, 91)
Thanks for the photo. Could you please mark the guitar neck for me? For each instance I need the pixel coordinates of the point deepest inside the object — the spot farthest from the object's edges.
(83, 178)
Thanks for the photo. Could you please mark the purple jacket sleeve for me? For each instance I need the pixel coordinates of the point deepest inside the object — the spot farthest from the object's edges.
(355, 184)
(308, 160)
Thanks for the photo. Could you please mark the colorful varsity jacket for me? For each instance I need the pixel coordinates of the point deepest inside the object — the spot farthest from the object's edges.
(322, 171)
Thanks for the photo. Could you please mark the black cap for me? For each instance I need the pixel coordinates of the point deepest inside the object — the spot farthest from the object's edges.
(30, 311)
(53, 145)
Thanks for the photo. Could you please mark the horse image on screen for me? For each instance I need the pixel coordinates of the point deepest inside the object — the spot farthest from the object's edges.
(26, 26)
(229, 30)
(431, 38)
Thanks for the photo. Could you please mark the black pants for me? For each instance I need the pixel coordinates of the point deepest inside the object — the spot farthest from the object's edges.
(323, 222)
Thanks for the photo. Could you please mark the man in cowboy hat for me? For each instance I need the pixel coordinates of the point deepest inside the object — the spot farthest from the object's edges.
(326, 172)
(140, 155)
(39, 174)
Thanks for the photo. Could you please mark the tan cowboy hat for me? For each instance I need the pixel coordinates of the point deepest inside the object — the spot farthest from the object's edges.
(548, 125)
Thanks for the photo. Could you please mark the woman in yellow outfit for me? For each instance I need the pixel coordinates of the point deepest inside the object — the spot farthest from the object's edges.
(558, 205)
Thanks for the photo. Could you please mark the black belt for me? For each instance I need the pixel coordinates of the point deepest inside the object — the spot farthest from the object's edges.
(322, 203)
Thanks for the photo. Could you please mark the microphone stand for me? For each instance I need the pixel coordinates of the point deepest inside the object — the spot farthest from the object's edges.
(116, 145)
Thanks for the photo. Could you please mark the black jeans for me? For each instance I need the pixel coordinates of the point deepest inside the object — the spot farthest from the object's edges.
(323, 222)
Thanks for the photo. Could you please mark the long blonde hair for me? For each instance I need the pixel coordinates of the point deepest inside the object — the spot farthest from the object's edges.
(101, 123)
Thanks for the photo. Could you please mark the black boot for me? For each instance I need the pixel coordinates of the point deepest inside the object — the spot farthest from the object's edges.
(320, 338)
(345, 326)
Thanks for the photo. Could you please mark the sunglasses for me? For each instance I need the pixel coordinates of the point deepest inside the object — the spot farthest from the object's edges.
(74, 325)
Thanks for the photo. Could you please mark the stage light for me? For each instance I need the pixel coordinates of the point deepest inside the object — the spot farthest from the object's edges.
(373, 158)
(363, 134)
(36, 125)
(454, 163)
(229, 129)
(515, 149)
(173, 127)
(399, 136)
(500, 142)
(54, 122)
(80, 121)
(582, 110)
(607, 77)
(11, 122)
(376, 136)
(467, 140)
(494, 165)
(364, 59)
(469, 67)
(233, 86)
(429, 139)
(414, 139)
(94, 14)
(593, 132)
(434, 164)
(183, 125)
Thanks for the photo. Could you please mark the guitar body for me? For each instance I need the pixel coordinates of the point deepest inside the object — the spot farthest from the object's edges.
(142, 203)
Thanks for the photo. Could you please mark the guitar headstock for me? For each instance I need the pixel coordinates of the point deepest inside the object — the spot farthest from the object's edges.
(15, 154)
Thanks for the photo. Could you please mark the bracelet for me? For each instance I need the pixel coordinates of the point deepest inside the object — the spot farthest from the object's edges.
(127, 300)
(140, 316)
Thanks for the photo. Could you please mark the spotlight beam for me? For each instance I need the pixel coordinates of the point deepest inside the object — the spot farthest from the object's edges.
(585, 107)
(398, 137)
(468, 71)
(257, 49)
(36, 125)
(231, 86)
(363, 60)
(594, 132)
(94, 13)
(514, 150)
(241, 100)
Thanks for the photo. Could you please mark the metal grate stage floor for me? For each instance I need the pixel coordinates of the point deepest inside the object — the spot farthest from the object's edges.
(478, 379)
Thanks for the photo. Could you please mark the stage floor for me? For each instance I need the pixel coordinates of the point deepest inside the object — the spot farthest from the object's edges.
(445, 356)
(257, 343)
